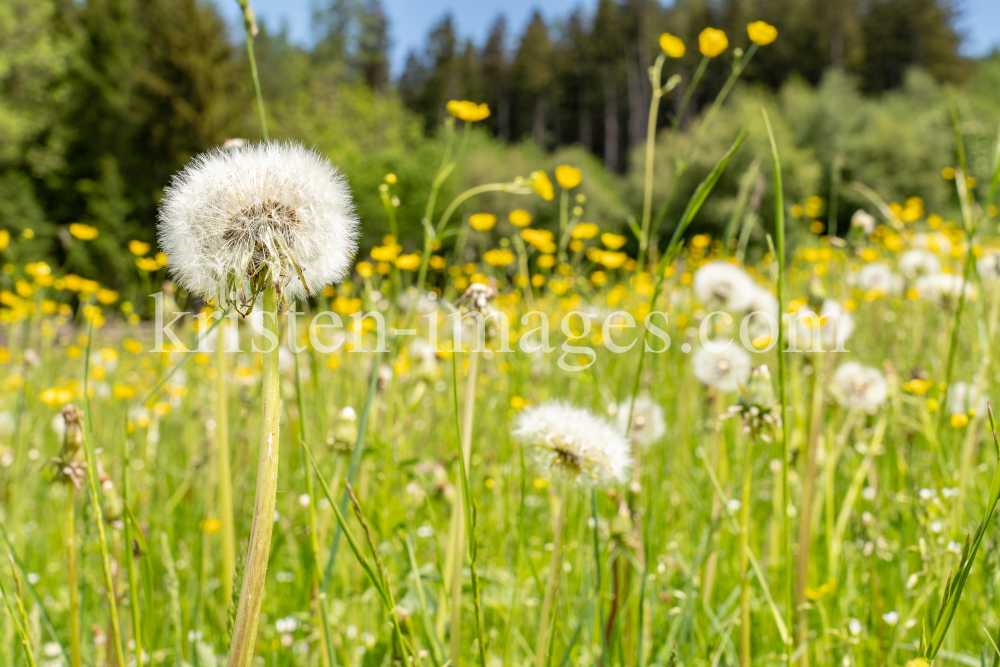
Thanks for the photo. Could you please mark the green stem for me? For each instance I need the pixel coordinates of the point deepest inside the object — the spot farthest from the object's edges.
(74, 588)
(133, 575)
(552, 584)
(241, 650)
(250, 27)
(647, 200)
(744, 551)
(223, 466)
(563, 224)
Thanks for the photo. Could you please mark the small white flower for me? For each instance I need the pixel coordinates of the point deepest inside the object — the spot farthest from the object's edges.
(868, 493)
(576, 440)
(860, 387)
(916, 263)
(864, 221)
(237, 218)
(733, 505)
(891, 617)
(989, 266)
(723, 369)
(879, 277)
(936, 242)
(648, 423)
(927, 494)
(725, 286)
(855, 627)
(936, 526)
(955, 547)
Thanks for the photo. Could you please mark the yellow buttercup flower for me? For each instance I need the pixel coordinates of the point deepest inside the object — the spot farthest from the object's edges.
(540, 238)
(712, 42)
(437, 262)
(761, 32)
(468, 111)
(672, 46)
(482, 222)
(519, 218)
(613, 241)
(585, 230)
(547, 261)
(123, 391)
(613, 260)
(498, 257)
(364, 269)
(211, 526)
(386, 253)
(137, 247)
(82, 231)
(146, 264)
(568, 177)
(960, 420)
(408, 262)
(4, 239)
(542, 185)
(107, 296)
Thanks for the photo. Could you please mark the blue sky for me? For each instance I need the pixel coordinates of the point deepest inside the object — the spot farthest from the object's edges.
(410, 20)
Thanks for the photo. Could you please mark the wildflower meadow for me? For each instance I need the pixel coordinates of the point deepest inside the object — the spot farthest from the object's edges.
(513, 443)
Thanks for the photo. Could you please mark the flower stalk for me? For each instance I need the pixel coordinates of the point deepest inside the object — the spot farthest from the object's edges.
(241, 649)
(552, 584)
(228, 529)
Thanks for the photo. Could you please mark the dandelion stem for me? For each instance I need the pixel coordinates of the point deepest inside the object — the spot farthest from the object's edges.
(250, 26)
(241, 649)
(552, 584)
(74, 589)
(133, 576)
(647, 199)
(223, 465)
(743, 556)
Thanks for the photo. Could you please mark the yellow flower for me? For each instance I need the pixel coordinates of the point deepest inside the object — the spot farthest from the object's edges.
(386, 253)
(498, 257)
(672, 46)
(613, 260)
(517, 402)
(211, 526)
(124, 391)
(542, 185)
(540, 483)
(391, 179)
(712, 42)
(146, 264)
(364, 269)
(138, 248)
(82, 231)
(409, 262)
(437, 262)
(107, 296)
(960, 420)
(540, 238)
(56, 396)
(547, 261)
(918, 662)
(133, 346)
(947, 173)
(567, 176)
(917, 386)
(4, 239)
(585, 230)
(613, 241)
(482, 222)
(518, 218)
(761, 32)
(468, 111)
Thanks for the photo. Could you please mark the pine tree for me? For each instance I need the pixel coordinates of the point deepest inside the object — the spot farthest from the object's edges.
(532, 73)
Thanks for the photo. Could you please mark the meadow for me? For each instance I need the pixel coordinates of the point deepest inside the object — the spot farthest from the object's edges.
(687, 502)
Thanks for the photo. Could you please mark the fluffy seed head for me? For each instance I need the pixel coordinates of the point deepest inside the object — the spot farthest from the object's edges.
(648, 423)
(235, 220)
(860, 387)
(723, 369)
(576, 440)
(725, 286)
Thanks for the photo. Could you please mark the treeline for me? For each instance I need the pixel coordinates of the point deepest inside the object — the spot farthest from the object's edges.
(582, 79)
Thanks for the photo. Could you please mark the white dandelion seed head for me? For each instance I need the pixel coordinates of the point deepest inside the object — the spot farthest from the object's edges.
(575, 440)
(989, 266)
(860, 387)
(724, 286)
(648, 422)
(834, 325)
(943, 287)
(723, 369)
(880, 277)
(232, 216)
(919, 262)
(964, 397)
(864, 221)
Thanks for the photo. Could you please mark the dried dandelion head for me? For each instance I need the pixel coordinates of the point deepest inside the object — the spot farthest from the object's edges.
(238, 220)
(576, 441)
(648, 423)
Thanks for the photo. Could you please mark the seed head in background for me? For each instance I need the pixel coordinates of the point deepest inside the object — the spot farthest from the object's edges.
(235, 220)
(575, 440)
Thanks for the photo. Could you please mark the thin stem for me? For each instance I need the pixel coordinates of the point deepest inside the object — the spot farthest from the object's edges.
(74, 590)
(563, 224)
(647, 200)
(241, 649)
(458, 538)
(744, 552)
(552, 585)
(225, 480)
(250, 26)
(133, 575)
